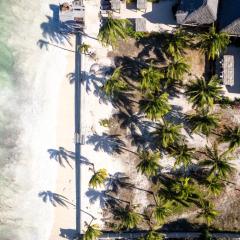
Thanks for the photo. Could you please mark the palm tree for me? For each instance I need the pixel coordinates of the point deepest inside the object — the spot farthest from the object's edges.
(98, 178)
(168, 134)
(155, 107)
(153, 235)
(112, 30)
(203, 93)
(183, 189)
(203, 122)
(115, 84)
(213, 43)
(177, 69)
(128, 218)
(231, 135)
(92, 232)
(217, 163)
(150, 79)
(208, 212)
(148, 163)
(84, 48)
(214, 186)
(183, 154)
(161, 211)
(176, 43)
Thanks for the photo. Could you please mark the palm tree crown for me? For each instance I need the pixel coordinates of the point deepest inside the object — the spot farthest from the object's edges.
(148, 163)
(161, 211)
(84, 48)
(150, 80)
(128, 218)
(213, 43)
(176, 43)
(203, 93)
(92, 232)
(183, 154)
(202, 122)
(183, 189)
(231, 135)
(115, 84)
(168, 134)
(155, 107)
(208, 212)
(113, 30)
(218, 164)
(177, 69)
(98, 178)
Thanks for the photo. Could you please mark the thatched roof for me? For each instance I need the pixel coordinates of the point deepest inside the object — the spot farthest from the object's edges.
(197, 12)
(229, 17)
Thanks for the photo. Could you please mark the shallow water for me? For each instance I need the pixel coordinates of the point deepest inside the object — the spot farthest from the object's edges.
(29, 78)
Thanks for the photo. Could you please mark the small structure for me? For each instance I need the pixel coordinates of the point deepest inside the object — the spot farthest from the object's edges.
(115, 5)
(197, 12)
(72, 14)
(228, 70)
(140, 25)
(142, 5)
(229, 17)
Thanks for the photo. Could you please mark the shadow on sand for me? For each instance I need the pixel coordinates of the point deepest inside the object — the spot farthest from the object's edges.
(61, 155)
(53, 30)
(55, 199)
(107, 143)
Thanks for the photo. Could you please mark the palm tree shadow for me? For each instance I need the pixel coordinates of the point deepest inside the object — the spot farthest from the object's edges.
(152, 44)
(61, 155)
(107, 143)
(71, 77)
(105, 200)
(95, 195)
(54, 198)
(94, 84)
(53, 30)
(117, 181)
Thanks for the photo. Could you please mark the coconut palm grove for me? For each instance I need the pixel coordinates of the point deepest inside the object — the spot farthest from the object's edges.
(199, 143)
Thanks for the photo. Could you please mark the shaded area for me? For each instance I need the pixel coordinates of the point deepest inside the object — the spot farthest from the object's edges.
(161, 13)
(45, 44)
(53, 29)
(61, 155)
(54, 198)
(106, 142)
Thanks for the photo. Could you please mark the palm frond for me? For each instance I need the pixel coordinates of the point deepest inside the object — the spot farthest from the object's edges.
(98, 178)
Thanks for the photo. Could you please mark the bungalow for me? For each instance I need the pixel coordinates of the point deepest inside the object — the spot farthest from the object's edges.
(196, 12)
(226, 14)
(229, 17)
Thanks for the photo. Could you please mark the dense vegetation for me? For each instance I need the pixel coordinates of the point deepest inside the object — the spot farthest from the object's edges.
(184, 189)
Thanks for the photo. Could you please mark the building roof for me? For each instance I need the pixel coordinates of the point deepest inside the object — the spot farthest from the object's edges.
(141, 4)
(197, 12)
(140, 25)
(229, 16)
